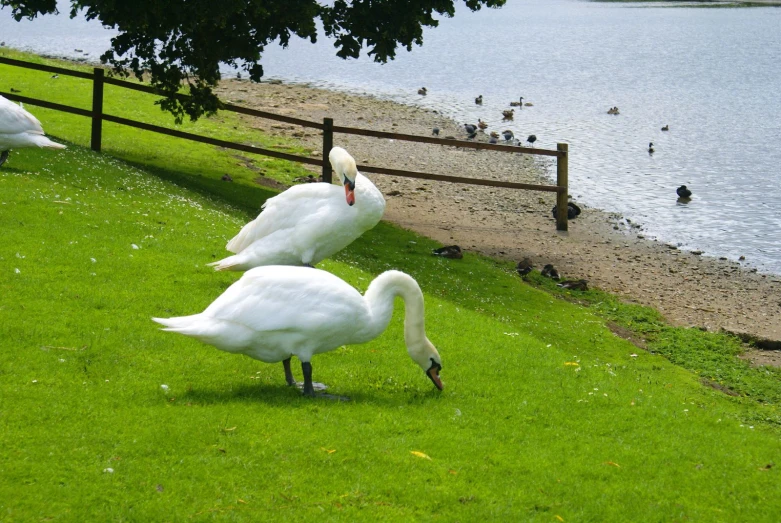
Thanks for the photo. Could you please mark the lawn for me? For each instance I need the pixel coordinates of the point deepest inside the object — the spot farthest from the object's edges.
(546, 415)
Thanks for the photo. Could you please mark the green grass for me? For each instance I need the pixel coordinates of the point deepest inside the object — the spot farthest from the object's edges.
(546, 415)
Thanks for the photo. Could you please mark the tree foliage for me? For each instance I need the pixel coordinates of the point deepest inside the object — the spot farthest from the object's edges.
(177, 42)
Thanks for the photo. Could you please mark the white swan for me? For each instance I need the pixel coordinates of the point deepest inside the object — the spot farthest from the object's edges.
(308, 223)
(275, 312)
(18, 128)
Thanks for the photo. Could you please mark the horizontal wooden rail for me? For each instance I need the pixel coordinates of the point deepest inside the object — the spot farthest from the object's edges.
(211, 141)
(224, 106)
(47, 68)
(446, 141)
(458, 179)
(47, 105)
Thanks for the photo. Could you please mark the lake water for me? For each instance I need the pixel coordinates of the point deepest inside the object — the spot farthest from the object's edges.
(712, 75)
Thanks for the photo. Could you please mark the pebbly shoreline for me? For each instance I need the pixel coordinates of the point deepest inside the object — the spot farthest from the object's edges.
(688, 289)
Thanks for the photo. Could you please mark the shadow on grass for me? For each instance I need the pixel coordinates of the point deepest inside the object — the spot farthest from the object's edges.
(248, 198)
(283, 395)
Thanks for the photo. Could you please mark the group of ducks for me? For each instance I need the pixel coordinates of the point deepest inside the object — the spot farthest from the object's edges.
(282, 306)
(507, 114)
(493, 137)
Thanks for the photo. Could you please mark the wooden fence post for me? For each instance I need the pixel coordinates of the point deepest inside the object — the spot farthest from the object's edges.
(562, 180)
(97, 109)
(328, 144)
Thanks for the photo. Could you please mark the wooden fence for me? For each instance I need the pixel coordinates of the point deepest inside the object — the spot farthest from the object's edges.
(327, 127)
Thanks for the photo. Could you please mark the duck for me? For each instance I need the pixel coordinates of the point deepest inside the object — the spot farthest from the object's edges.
(423, 91)
(508, 114)
(481, 125)
(517, 104)
(528, 104)
(650, 148)
(666, 128)
(308, 223)
(549, 271)
(19, 128)
(450, 251)
(479, 100)
(531, 139)
(494, 134)
(575, 285)
(273, 313)
(573, 211)
(683, 192)
(613, 110)
(524, 267)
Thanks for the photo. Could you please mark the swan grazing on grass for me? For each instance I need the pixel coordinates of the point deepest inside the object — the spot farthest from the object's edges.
(276, 312)
(18, 128)
(308, 223)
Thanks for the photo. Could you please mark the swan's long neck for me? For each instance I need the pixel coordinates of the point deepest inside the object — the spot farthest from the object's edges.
(379, 298)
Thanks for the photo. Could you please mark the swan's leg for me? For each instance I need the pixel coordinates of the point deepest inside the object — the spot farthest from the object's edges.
(288, 373)
(3, 157)
(309, 389)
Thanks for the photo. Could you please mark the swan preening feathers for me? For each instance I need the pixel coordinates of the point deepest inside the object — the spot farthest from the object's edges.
(273, 313)
(308, 223)
(18, 128)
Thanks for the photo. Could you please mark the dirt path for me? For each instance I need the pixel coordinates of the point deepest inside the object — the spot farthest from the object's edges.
(610, 253)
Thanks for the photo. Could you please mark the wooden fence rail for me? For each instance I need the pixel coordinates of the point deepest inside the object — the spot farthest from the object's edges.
(99, 80)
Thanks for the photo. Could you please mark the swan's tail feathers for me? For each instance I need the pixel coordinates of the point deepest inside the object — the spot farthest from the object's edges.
(182, 324)
(238, 243)
(242, 240)
(42, 141)
(231, 263)
(222, 334)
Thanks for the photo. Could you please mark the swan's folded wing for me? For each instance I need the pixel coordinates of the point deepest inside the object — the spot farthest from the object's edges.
(289, 299)
(296, 207)
(14, 119)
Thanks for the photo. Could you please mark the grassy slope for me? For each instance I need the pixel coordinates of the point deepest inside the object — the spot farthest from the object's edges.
(517, 433)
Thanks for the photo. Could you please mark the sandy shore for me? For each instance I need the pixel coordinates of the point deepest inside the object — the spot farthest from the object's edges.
(690, 290)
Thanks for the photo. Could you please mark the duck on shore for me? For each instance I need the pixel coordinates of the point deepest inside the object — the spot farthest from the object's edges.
(573, 211)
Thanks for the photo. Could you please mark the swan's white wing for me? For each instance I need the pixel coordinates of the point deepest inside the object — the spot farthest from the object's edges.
(15, 120)
(300, 300)
(290, 209)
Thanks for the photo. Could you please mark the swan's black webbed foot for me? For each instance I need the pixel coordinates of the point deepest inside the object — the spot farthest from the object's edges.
(288, 373)
(309, 389)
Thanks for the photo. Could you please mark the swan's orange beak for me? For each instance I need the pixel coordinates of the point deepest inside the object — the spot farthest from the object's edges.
(433, 374)
(349, 192)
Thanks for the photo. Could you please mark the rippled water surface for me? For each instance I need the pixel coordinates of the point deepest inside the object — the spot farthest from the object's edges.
(712, 75)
